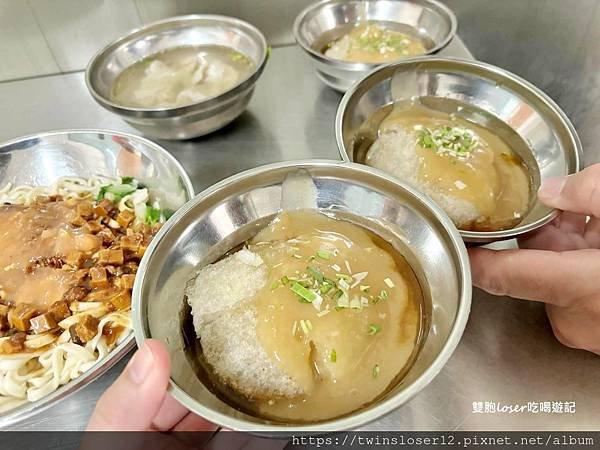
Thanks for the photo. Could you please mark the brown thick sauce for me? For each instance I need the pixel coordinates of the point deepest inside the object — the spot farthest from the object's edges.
(27, 233)
(364, 365)
(492, 177)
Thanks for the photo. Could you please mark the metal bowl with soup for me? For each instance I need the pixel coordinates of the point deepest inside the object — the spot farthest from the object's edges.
(348, 39)
(180, 77)
(309, 295)
(475, 138)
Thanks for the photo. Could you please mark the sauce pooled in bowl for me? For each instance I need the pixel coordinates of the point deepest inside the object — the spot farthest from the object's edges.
(314, 319)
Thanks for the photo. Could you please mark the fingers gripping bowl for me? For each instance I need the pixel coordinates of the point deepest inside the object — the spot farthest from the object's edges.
(474, 137)
(210, 232)
(77, 206)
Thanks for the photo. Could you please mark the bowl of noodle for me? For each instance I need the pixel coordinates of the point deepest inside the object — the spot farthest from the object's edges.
(78, 209)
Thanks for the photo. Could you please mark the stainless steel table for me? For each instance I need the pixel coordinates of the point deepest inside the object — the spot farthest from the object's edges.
(508, 353)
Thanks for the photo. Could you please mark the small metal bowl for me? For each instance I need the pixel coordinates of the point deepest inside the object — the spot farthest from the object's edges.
(40, 159)
(230, 212)
(511, 105)
(188, 121)
(429, 19)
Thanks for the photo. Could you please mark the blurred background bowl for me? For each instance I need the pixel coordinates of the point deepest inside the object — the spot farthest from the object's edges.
(511, 105)
(230, 212)
(429, 19)
(192, 120)
(41, 159)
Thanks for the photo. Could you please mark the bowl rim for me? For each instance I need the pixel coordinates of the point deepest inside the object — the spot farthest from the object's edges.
(175, 111)
(358, 66)
(29, 409)
(455, 243)
(475, 236)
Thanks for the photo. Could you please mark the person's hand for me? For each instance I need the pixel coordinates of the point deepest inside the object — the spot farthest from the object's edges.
(559, 264)
(138, 399)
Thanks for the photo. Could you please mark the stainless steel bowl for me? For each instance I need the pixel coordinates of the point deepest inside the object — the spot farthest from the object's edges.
(186, 121)
(512, 105)
(41, 159)
(430, 19)
(228, 213)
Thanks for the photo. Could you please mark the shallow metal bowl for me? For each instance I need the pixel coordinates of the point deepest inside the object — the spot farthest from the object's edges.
(511, 105)
(232, 211)
(429, 19)
(189, 121)
(41, 159)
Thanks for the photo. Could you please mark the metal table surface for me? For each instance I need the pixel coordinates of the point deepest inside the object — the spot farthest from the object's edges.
(507, 354)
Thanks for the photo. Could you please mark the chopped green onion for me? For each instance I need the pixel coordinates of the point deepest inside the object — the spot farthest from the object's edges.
(323, 254)
(364, 288)
(315, 273)
(375, 370)
(101, 192)
(336, 267)
(128, 180)
(338, 294)
(325, 288)
(285, 280)
(294, 327)
(389, 282)
(333, 355)
(302, 292)
(374, 329)
(295, 255)
(343, 301)
(355, 303)
(309, 324)
(323, 313)
(275, 285)
(343, 276)
(304, 326)
(152, 215)
(121, 189)
(383, 295)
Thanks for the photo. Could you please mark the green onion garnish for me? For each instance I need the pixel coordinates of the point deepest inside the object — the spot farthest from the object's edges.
(295, 255)
(285, 280)
(343, 301)
(343, 276)
(374, 329)
(389, 282)
(315, 273)
(127, 180)
(355, 303)
(152, 215)
(325, 288)
(333, 355)
(375, 370)
(275, 285)
(323, 254)
(338, 294)
(302, 292)
(456, 141)
(383, 295)
(304, 326)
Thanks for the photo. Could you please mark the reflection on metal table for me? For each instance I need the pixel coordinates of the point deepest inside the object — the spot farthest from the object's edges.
(507, 354)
